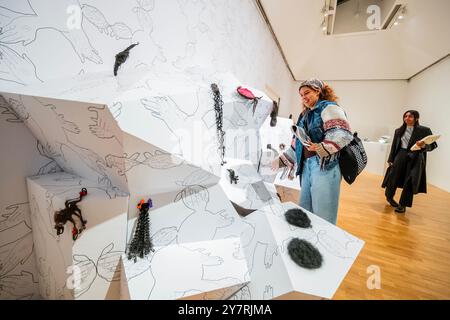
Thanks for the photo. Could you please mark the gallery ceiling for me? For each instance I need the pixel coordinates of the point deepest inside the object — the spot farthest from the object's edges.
(399, 52)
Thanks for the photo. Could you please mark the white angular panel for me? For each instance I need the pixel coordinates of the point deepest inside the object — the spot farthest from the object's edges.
(275, 275)
(96, 252)
(78, 136)
(197, 270)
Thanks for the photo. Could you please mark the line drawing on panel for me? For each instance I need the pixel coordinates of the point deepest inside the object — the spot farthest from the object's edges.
(13, 215)
(116, 109)
(16, 253)
(167, 110)
(117, 30)
(108, 266)
(334, 246)
(124, 163)
(268, 292)
(15, 67)
(103, 128)
(25, 28)
(243, 294)
(88, 271)
(161, 160)
(51, 166)
(10, 115)
(153, 52)
(159, 269)
(20, 286)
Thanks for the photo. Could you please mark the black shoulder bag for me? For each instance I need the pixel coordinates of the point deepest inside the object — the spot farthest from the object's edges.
(352, 159)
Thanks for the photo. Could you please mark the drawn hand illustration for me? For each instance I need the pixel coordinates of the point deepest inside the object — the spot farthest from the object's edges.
(13, 215)
(108, 265)
(15, 67)
(243, 294)
(122, 164)
(161, 160)
(17, 285)
(165, 109)
(88, 273)
(116, 30)
(25, 28)
(103, 127)
(268, 293)
(18, 254)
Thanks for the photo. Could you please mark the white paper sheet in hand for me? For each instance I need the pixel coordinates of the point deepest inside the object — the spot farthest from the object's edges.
(428, 140)
(301, 135)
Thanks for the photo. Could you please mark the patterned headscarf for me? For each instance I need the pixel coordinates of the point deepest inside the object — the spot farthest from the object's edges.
(316, 84)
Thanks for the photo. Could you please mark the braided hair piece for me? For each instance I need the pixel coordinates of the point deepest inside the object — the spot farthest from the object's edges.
(218, 104)
(141, 245)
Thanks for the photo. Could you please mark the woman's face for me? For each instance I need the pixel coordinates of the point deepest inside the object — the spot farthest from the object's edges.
(409, 119)
(309, 96)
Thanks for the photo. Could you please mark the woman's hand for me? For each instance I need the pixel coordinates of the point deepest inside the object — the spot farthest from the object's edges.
(275, 164)
(420, 144)
(312, 147)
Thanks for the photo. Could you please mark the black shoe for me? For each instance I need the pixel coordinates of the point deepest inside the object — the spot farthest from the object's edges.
(392, 202)
(400, 209)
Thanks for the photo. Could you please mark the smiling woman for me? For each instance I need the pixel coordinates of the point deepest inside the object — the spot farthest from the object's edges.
(325, 124)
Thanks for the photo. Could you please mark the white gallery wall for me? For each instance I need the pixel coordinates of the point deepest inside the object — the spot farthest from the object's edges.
(374, 107)
(428, 94)
(43, 40)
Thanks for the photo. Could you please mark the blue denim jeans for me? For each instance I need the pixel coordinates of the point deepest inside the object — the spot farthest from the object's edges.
(320, 189)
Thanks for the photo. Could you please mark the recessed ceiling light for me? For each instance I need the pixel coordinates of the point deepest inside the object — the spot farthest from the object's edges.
(396, 23)
(401, 17)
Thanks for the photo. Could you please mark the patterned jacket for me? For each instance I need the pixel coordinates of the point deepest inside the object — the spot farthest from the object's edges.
(327, 125)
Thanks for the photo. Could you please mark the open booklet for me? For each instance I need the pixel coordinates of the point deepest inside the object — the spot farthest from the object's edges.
(301, 135)
(428, 140)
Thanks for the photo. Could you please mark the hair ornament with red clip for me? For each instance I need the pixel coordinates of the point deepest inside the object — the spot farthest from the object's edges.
(71, 209)
(141, 244)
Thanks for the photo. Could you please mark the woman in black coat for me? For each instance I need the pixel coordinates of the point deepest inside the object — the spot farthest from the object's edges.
(407, 168)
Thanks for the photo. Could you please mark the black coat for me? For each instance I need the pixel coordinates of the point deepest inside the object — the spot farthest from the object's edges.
(417, 168)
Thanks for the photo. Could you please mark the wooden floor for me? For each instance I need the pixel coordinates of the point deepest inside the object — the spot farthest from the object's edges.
(412, 250)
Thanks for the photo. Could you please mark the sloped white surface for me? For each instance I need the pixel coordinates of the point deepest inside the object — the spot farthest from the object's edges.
(78, 136)
(275, 275)
(196, 214)
(187, 270)
(96, 252)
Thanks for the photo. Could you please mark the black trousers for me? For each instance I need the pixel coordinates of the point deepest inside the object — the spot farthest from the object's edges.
(400, 167)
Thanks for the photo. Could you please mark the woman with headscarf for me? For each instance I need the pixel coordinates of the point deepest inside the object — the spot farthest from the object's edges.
(406, 167)
(326, 125)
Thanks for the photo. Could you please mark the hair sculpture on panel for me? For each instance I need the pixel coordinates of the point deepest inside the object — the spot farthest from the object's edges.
(71, 209)
(233, 177)
(298, 218)
(218, 104)
(247, 94)
(304, 254)
(141, 244)
(122, 56)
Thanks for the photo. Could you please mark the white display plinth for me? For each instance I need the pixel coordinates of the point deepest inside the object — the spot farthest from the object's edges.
(87, 268)
(377, 155)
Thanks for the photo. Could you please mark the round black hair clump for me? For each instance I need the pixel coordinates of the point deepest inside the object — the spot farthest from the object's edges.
(304, 254)
(298, 217)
